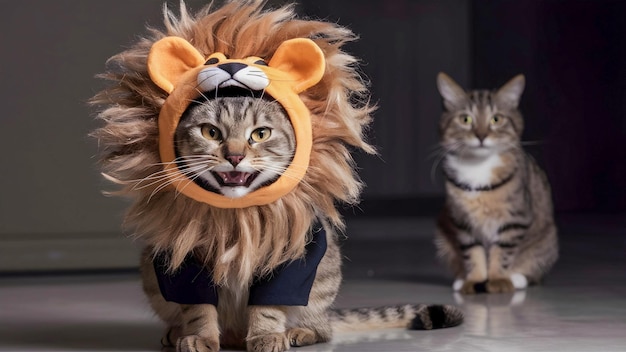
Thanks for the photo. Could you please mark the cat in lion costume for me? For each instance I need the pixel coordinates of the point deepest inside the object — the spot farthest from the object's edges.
(255, 268)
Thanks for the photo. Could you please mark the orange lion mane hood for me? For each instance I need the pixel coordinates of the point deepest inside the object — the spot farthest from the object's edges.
(185, 74)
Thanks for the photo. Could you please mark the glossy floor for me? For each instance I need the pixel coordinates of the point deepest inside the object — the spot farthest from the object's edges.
(581, 306)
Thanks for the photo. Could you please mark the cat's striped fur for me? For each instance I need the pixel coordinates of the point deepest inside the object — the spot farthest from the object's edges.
(496, 231)
(234, 324)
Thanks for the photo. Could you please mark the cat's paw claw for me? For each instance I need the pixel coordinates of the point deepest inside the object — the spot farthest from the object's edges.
(277, 342)
(168, 341)
(195, 343)
(301, 337)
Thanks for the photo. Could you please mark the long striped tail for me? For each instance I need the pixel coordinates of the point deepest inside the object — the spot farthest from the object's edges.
(411, 316)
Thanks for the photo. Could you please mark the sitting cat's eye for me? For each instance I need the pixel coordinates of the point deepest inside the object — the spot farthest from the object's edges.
(260, 134)
(497, 119)
(466, 119)
(211, 132)
(212, 61)
(261, 62)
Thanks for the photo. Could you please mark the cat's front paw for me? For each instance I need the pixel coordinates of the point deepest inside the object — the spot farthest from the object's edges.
(469, 287)
(502, 285)
(195, 343)
(277, 342)
(301, 337)
(168, 341)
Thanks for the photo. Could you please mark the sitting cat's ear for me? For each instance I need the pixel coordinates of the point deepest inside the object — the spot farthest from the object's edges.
(302, 59)
(510, 93)
(454, 97)
(169, 59)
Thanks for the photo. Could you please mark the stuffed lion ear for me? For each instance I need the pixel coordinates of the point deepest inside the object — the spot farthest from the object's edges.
(302, 59)
(169, 59)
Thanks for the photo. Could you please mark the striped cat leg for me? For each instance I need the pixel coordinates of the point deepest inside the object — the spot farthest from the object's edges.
(502, 255)
(200, 329)
(500, 260)
(310, 324)
(266, 329)
(475, 262)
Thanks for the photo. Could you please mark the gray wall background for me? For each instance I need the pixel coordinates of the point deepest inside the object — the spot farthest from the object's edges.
(53, 49)
(53, 216)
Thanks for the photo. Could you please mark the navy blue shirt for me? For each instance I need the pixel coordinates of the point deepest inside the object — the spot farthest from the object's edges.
(288, 285)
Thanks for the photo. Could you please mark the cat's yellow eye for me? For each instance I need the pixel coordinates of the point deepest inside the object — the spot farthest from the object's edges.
(211, 132)
(466, 119)
(497, 119)
(261, 134)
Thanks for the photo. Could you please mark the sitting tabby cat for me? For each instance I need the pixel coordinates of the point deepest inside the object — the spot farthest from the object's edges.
(203, 127)
(496, 231)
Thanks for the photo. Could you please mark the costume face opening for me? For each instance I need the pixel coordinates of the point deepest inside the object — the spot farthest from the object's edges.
(233, 142)
(179, 69)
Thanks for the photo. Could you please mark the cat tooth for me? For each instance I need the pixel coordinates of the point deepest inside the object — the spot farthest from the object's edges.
(224, 177)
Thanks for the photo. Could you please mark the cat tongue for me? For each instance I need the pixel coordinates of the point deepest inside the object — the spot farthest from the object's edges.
(234, 178)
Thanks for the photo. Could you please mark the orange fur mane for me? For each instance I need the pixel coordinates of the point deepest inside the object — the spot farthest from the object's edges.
(236, 243)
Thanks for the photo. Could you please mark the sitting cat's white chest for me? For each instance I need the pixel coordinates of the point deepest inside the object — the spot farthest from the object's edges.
(473, 172)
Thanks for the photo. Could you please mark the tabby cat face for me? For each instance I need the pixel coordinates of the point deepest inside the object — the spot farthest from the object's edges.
(234, 145)
(479, 122)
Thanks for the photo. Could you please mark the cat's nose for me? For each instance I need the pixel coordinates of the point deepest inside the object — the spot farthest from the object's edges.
(234, 160)
(232, 67)
(481, 136)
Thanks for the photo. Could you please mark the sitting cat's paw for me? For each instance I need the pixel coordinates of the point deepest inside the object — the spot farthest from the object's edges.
(501, 285)
(469, 287)
(301, 337)
(277, 342)
(195, 343)
(519, 281)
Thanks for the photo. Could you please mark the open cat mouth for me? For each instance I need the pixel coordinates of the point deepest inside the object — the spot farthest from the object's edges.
(235, 178)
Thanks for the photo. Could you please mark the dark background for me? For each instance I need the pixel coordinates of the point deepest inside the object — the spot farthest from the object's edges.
(572, 53)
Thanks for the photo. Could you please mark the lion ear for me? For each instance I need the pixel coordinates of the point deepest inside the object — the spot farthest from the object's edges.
(302, 59)
(169, 58)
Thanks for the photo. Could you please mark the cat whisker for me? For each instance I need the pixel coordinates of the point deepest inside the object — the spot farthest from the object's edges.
(164, 173)
(182, 158)
(260, 100)
(267, 166)
(201, 93)
(169, 180)
(531, 142)
(166, 177)
(166, 182)
(291, 174)
(434, 167)
(192, 178)
(440, 154)
(437, 151)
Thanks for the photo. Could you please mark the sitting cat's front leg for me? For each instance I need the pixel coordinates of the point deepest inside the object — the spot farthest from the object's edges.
(502, 255)
(266, 329)
(499, 264)
(200, 332)
(475, 263)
